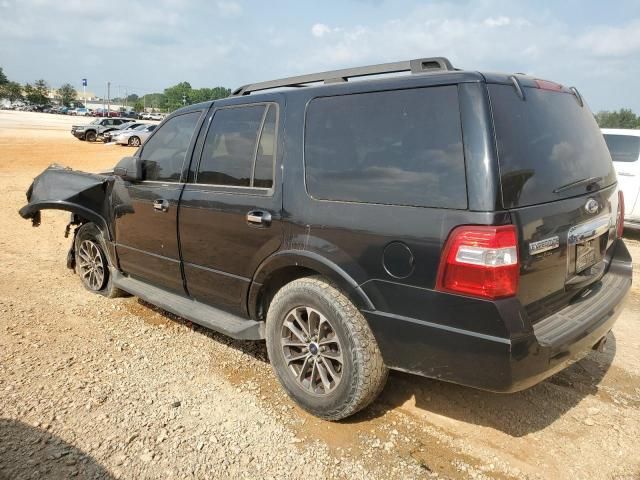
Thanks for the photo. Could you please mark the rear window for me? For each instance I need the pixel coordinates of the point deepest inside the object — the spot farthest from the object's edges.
(400, 147)
(546, 144)
(623, 148)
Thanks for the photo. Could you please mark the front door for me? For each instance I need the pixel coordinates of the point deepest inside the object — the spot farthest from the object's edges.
(229, 217)
(146, 231)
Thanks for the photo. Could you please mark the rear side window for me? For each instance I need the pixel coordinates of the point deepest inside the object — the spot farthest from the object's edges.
(239, 149)
(623, 148)
(400, 147)
(547, 144)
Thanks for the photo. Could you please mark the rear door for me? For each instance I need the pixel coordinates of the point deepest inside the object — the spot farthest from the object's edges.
(230, 214)
(559, 185)
(625, 152)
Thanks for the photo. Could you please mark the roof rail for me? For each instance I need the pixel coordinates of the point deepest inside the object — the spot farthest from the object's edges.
(419, 65)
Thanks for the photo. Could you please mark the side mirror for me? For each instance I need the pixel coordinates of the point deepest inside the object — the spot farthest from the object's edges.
(129, 169)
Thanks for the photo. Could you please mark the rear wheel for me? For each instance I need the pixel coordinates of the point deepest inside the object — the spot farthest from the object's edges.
(134, 142)
(322, 349)
(90, 136)
(92, 262)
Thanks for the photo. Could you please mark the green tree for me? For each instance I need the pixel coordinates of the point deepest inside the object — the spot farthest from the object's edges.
(206, 94)
(138, 106)
(178, 95)
(3, 78)
(67, 94)
(623, 118)
(37, 93)
(11, 91)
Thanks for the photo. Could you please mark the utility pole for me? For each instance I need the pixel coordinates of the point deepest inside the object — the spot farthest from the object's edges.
(184, 99)
(108, 99)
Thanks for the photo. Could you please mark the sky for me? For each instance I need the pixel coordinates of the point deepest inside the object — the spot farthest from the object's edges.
(145, 46)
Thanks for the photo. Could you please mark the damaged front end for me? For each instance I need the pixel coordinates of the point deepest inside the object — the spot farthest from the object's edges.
(90, 197)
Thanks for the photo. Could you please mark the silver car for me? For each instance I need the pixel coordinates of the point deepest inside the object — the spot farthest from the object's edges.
(135, 137)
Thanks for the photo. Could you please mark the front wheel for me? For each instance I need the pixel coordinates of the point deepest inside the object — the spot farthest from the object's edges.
(90, 136)
(134, 142)
(92, 262)
(322, 349)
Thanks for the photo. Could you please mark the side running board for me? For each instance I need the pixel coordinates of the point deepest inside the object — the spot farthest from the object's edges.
(209, 317)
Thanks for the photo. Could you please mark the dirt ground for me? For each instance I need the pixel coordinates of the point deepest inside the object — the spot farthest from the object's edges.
(99, 388)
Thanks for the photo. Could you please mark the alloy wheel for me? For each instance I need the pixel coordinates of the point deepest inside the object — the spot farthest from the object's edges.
(312, 350)
(91, 264)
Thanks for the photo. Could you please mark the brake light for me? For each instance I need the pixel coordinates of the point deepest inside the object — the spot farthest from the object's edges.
(481, 261)
(620, 216)
(548, 85)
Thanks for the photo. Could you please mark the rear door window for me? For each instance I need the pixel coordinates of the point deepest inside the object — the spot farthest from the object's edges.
(623, 148)
(549, 147)
(400, 147)
(239, 149)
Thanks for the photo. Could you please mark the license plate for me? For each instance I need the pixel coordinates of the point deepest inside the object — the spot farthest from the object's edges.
(585, 256)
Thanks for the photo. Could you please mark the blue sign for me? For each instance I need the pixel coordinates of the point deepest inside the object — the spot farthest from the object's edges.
(84, 82)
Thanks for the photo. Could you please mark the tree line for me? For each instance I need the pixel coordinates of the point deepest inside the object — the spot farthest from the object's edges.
(171, 99)
(623, 118)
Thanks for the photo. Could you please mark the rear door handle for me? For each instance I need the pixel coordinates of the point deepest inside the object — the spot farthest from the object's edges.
(259, 217)
(161, 205)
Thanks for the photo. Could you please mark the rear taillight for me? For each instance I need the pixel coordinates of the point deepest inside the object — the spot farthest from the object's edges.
(481, 261)
(620, 215)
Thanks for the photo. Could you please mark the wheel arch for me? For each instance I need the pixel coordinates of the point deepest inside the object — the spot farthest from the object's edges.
(288, 265)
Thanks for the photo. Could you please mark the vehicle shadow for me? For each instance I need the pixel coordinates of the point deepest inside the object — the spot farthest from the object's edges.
(631, 234)
(516, 414)
(27, 452)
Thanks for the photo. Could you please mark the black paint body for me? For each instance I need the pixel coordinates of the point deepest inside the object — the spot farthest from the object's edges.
(384, 257)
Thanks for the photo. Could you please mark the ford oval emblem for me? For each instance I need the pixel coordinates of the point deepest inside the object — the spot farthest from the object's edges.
(591, 206)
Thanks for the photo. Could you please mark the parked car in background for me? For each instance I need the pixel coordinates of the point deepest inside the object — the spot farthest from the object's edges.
(135, 137)
(94, 130)
(624, 146)
(125, 127)
(156, 116)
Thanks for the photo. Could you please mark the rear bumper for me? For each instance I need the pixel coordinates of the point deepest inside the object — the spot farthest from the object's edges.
(502, 364)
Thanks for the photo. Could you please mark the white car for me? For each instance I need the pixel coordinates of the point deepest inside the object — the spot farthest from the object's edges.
(135, 137)
(624, 146)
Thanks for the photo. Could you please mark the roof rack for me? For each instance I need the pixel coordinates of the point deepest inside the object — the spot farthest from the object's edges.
(419, 65)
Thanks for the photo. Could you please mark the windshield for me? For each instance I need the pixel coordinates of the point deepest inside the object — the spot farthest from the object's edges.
(623, 148)
(549, 147)
(96, 121)
(141, 127)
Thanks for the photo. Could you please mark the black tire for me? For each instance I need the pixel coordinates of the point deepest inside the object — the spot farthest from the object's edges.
(90, 238)
(361, 370)
(134, 141)
(90, 136)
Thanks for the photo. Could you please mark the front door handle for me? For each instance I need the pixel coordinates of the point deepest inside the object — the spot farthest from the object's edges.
(161, 205)
(626, 174)
(259, 217)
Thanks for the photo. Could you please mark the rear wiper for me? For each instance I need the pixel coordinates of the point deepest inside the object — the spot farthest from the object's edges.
(587, 181)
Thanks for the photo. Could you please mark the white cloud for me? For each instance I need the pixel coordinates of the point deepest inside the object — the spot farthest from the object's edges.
(612, 41)
(497, 21)
(320, 29)
(229, 8)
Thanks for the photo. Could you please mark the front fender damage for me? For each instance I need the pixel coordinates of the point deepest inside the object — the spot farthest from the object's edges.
(89, 196)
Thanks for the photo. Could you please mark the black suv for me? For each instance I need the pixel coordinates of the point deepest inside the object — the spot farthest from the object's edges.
(459, 225)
